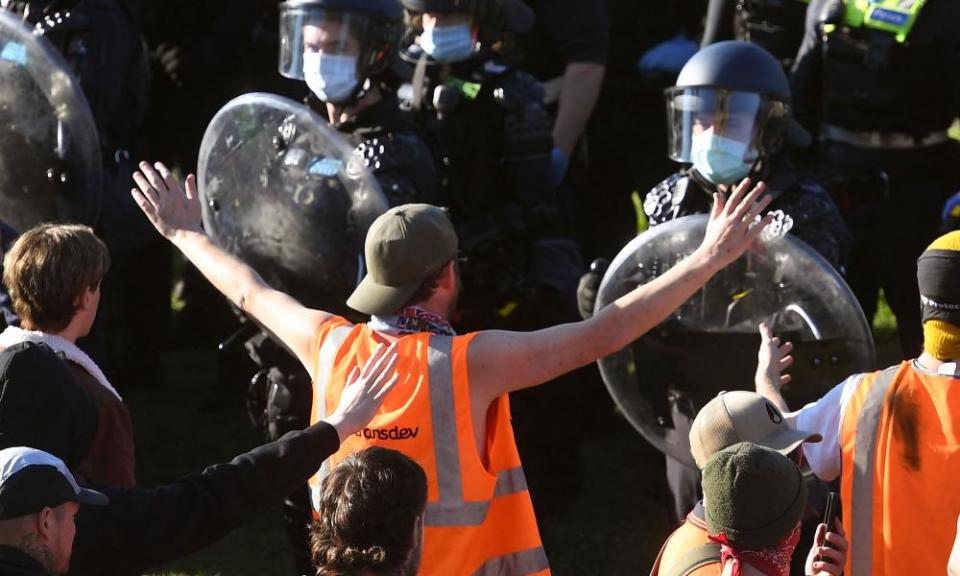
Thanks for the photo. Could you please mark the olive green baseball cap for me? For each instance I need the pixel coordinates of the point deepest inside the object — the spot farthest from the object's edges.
(404, 246)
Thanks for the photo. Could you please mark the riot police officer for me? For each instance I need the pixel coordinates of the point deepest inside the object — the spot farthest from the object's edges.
(101, 41)
(776, 25)
(729, 117)
(875, 82)
(488, 123)
(342, 50)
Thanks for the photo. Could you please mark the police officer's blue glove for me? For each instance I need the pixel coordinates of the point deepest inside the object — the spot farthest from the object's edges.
(668, 56)
(559, 162)
(950, 218)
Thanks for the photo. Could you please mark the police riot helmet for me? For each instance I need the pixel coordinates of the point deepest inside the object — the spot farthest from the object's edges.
(731, 99)
(443, 31)
(364, 32)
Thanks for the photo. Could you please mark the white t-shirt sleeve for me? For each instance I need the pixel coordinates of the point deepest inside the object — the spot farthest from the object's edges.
(825, 417)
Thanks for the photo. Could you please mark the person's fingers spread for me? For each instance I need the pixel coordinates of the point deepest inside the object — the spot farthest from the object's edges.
(353, 376)
(371, 365)
(386, 388)
(737, 197)
(192, 192)
(785, 379)
(786, 362)
(383, 359)
(168, 179)
(389, 368)
(764, 331)
(151, 174)
(753, 205)
(718, 203)
(755, 232)
(787, 347)
(146, 189)
(148, 208)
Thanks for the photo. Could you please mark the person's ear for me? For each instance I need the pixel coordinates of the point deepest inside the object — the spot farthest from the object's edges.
(87, 298)
(45, 522)
(449, 277)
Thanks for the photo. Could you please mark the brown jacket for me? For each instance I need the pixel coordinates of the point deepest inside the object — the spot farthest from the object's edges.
(110, 461)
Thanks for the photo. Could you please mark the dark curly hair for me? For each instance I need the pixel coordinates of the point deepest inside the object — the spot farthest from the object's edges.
(369, 510)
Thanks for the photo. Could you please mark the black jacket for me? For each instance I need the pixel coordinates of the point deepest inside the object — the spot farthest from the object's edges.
(143, 528)
(14, 562)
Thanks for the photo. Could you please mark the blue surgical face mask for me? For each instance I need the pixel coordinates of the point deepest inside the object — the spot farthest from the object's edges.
(720, 160)
(332, 77)
(448, 43)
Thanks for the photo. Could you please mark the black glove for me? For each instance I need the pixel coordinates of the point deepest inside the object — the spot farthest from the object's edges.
(589, 283)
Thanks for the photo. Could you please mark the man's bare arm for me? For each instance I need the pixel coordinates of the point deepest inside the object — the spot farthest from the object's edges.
(175, 213)
(501, 362)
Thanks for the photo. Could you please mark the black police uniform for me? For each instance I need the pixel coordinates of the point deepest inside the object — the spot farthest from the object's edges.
(776, 25)
(882, 109)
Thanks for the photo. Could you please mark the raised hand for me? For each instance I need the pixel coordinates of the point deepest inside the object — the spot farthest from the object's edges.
(772, 359)
(732, 227)
(164, 201)
(365, 391)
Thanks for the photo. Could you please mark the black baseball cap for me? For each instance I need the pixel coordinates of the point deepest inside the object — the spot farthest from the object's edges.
(31, 480)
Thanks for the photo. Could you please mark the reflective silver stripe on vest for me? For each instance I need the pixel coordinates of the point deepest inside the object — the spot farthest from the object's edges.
(328, 352)
(517, 564)
(451, 509)
(864, 469)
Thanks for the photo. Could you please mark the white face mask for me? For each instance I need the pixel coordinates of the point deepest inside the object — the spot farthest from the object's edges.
(448, 43)
(332, 77)
(720, 160)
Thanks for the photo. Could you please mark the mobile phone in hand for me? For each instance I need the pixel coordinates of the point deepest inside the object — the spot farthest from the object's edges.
(829, 518)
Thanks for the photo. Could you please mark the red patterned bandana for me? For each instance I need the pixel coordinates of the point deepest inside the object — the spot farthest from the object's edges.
(410, 320)
(774, 561)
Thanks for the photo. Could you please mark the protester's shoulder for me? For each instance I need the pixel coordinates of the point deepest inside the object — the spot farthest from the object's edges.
(682, 542)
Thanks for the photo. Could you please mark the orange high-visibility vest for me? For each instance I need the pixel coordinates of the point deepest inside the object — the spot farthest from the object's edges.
(900, 448)
(479, 518)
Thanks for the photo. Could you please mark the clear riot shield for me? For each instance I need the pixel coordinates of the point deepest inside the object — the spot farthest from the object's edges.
(284, 192)
(710, 343)
(50, 167)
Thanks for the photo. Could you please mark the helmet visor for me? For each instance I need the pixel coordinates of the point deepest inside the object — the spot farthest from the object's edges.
(307, 29)
(746, 118)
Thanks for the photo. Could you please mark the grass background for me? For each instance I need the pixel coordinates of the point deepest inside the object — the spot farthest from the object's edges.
(615, 526)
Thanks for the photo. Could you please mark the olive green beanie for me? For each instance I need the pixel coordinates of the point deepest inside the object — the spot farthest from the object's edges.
(753, 495)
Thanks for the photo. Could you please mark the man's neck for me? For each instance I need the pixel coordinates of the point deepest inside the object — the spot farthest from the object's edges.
(28, 543)
(337, 114)
(71, 333)
(931, 364)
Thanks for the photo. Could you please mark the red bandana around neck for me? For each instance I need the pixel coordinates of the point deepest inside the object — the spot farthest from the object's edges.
(773, 561)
